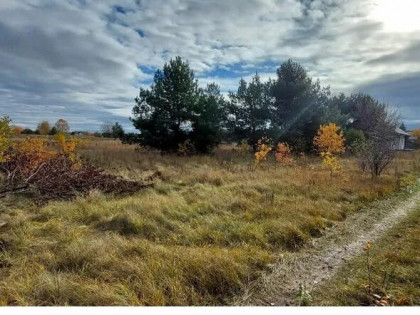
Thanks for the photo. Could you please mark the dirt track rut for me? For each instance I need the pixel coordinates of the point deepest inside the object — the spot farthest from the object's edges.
(320, 260)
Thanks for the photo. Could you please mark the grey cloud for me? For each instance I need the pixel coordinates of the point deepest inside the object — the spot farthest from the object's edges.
(409, 54)
(84, 58)
(399, 90)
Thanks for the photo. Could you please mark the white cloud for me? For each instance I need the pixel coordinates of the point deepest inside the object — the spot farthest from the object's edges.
(81, 58)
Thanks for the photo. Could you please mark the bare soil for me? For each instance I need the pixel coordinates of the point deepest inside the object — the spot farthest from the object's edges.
(319, 260)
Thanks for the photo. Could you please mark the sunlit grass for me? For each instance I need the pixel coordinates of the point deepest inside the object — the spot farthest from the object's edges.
(209, 226)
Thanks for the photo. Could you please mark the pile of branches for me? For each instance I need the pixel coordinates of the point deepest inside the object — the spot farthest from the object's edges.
(59, 177)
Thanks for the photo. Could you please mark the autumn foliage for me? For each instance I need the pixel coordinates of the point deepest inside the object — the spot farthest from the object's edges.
(31, 164)
(264, 147)
(284, 154)
(26, 157)
(5, 132)
(329, 143)
(17, 130)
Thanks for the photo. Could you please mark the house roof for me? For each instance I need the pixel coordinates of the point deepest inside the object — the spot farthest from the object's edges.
(402, 132)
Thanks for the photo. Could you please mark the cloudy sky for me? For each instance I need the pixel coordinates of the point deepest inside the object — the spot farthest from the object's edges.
(84, 60)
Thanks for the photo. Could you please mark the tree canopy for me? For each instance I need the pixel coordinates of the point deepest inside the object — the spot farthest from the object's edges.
(62, 126)
(174, 110)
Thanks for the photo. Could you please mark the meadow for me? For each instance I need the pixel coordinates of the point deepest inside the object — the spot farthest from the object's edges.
(209, 226)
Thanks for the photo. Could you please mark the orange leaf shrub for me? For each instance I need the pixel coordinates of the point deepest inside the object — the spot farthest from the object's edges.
(17, 130)
(284, 154)
(28, 155)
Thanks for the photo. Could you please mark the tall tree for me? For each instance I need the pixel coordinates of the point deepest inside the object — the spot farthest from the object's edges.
(167, 113)
(250, 107)
(369, 115)
(62, 126)
(44, 128)
(106, 129)
(206, 131)
(332, 112)
(297, 106)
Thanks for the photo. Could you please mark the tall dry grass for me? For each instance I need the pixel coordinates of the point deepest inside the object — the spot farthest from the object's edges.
(209, 226)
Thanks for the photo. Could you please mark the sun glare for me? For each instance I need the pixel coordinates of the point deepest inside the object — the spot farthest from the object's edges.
(398, 15)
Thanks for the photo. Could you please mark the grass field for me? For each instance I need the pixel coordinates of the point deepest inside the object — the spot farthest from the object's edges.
(395, 265)
(209, 226)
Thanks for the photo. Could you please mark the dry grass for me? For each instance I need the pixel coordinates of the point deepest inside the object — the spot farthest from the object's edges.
(395, 261)
(208, 227)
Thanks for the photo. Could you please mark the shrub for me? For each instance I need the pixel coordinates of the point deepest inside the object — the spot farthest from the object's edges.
(329, 142)
(5, 133)
(353, 138)
(284, 154)
(264, 147)
(186, 148)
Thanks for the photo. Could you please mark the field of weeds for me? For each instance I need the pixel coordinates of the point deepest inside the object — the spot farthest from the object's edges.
(210, 225)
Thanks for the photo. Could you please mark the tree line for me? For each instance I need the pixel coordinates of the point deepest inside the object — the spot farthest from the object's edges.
(108, 130)
(44, 128)
(175, 113)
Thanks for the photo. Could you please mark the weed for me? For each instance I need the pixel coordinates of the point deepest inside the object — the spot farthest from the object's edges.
(303, 297)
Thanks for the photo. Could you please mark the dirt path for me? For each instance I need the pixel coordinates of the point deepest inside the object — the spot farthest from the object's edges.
(321, 259)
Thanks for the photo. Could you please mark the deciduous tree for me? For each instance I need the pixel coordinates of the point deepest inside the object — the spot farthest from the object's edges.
(17, 130)
(62, 126)
(329, 142)
(44, 128)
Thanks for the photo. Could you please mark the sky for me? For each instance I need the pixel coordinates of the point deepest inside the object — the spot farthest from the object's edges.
(85, 60)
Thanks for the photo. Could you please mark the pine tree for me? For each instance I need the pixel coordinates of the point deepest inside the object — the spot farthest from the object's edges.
(250, 106)
(172, 111)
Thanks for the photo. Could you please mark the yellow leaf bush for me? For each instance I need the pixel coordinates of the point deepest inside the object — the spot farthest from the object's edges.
(263, 149)
(329, 142)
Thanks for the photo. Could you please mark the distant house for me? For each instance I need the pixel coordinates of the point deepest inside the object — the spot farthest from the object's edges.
(401, 139)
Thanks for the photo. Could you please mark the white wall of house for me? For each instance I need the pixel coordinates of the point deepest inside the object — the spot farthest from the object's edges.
(399, 143)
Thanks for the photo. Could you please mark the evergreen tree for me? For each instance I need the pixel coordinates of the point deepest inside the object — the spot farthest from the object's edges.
(53, 131)
(298, 104)
(250, 107)
(169, 112)
(117, 131)
(206, 131)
